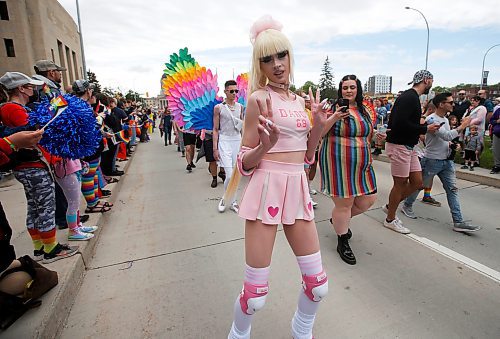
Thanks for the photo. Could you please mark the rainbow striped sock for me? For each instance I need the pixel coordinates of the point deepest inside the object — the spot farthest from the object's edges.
(49, 240)
(72, 221)
(35, 237)
(427, 192)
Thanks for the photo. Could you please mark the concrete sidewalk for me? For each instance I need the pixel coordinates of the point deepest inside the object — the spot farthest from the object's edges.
(47, 320)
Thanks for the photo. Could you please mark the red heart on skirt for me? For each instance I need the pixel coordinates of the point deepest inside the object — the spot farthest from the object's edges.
(310, 206)
(273, 211)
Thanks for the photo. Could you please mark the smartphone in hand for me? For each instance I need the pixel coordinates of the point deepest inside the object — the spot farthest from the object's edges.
(343, 102)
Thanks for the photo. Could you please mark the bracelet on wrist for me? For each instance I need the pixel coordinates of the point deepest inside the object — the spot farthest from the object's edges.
(11, 145)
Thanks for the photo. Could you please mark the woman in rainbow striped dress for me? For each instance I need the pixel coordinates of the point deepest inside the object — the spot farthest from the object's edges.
(346, 163)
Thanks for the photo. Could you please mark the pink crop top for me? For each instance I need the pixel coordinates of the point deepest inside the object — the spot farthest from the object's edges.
(292, 121)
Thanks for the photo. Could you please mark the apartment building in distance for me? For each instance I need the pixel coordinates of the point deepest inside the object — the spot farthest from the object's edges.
(379, 84)
(31, 30)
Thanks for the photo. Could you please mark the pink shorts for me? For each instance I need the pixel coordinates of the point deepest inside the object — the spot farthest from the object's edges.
(277, 193)
(403, 160)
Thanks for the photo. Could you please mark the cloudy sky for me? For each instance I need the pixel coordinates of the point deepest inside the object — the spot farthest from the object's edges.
(127, 42)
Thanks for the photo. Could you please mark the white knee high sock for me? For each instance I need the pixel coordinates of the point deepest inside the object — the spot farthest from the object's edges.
(240, 329)
(303, 319)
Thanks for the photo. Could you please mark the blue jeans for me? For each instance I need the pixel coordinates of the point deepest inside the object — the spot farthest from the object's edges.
(445, 170)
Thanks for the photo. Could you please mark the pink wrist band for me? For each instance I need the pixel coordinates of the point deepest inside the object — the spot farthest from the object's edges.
(307, 161)
(239, 162)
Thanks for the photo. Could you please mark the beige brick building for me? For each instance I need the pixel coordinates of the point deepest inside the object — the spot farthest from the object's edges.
(31, 30)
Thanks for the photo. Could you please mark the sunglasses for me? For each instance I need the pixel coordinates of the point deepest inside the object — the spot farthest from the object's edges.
(449, 102)
(267, 59)
(233, 91)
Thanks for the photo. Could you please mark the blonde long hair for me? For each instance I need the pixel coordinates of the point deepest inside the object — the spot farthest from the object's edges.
(267, 42)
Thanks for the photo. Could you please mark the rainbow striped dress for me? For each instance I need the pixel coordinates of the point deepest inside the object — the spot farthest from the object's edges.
(345, 159)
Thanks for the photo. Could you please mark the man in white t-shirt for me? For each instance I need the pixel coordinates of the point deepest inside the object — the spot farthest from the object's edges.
(228, 121)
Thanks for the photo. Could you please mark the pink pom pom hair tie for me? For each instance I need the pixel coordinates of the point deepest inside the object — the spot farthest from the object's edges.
(264, 23)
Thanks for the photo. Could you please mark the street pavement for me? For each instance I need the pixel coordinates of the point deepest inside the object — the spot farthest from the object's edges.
(168, 265)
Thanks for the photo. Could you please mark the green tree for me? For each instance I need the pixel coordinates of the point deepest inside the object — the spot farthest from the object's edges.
(93, 79)
(108, 91)
(132, 95)
(441, 89)
(326, 81)
(308, 84)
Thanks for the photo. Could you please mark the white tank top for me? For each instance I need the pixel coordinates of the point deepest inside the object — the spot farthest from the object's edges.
(228, 120)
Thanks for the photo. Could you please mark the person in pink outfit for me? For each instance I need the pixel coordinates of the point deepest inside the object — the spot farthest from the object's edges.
(277, 140)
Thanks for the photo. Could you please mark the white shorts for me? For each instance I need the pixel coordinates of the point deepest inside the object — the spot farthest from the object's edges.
(228, 151)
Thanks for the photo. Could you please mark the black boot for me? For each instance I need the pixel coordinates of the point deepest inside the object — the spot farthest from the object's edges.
(344, 249)
(349, 233)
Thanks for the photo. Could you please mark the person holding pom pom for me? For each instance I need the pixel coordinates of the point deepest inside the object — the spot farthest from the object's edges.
(33, 173)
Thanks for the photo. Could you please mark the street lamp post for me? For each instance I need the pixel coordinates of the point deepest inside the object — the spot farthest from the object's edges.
(482, 69)
(81, 41)
(428, 34)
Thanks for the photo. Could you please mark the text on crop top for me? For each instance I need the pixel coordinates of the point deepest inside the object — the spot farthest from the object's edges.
(292, 121)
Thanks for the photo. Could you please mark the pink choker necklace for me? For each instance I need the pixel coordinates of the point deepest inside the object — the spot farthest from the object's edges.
(275, 84)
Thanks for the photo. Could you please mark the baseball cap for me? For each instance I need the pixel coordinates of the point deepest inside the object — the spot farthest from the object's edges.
(15, 79)
(80, 86)
(47, 65)
(420, 76)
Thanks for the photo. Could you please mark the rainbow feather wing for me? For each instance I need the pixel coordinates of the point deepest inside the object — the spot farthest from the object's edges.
(242, 85)
(191, 91)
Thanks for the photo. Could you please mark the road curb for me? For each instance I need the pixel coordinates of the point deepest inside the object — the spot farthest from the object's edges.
(480, 175)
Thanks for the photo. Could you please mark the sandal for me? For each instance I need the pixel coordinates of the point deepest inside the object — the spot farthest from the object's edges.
(98, 209)
(112, 180)
(108, 204)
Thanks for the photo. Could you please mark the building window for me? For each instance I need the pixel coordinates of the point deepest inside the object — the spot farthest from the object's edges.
(4, 12)
(53, 55)
(61, 60)
(75, 65)
(68, 64)
(9, 47)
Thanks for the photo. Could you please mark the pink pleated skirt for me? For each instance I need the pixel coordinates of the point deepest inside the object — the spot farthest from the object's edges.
(277, 193)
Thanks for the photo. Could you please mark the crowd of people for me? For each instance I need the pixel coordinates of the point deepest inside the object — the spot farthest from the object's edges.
(54, 185)
(287, 136)
(278, 141)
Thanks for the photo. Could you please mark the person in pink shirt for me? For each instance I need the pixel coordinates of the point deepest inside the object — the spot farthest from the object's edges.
(277, 140)
(477, 112)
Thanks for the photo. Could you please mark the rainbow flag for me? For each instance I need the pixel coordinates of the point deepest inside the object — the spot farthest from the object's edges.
(123, 135)
(58, 103)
